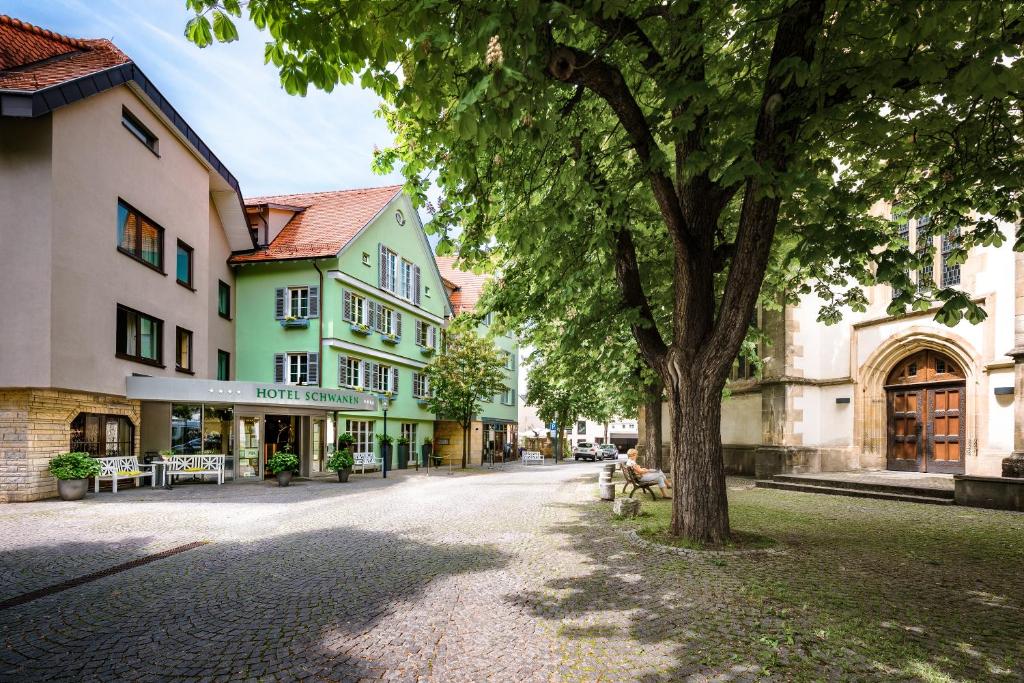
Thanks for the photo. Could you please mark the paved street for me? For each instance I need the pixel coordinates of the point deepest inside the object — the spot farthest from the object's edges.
(513, 575)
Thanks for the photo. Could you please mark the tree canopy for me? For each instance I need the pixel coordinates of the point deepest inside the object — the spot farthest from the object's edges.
(696, 147)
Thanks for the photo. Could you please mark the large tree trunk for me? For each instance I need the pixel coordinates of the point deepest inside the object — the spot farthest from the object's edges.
(699, 507)
(650, 413)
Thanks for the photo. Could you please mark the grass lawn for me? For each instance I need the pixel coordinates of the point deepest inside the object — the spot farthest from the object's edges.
(864, 589)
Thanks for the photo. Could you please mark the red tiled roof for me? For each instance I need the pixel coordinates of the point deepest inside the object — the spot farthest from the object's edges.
(470, 285)
(326, 224)
(33, 58)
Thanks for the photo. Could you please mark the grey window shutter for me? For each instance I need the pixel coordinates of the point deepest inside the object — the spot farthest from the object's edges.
(314, 302)
(346, 311)
(279, 368)
(416, 285)
(371, 314)
(382, 280)
(279, 303)
(313, 368)
(366, 375)
(378, 314)
(398, 323)
(342, 371)
(415, 384)
(416, 330)
(394, 381)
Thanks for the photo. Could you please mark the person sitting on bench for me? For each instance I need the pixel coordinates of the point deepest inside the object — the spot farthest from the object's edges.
(645, 475)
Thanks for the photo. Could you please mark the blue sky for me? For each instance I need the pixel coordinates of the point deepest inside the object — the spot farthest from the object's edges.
(273, 142)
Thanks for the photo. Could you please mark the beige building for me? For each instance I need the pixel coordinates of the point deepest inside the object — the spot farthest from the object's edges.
(116, 228)
(887, 392)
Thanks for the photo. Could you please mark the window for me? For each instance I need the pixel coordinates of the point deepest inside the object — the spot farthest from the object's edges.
(139, 237)
(144, 135)
(508, 397)
(383, 380)
(186, 428)
(350, 372)
(223, 365)
(510, 362)
(139, 336)
(420, 385)
(581, 427)
(297, 368)
(102, 436)
(298, 302)
(389, 321)
(405, 281)
(409, 433)
(426, 335)
(184, 265)
(388, 267)
(950, 272)
(903, 231)
(399, 217)
(224, 299)
(183, 350)
(488, 318)
(362, 435)
(366, 259)
(354, 308)
(923, 240)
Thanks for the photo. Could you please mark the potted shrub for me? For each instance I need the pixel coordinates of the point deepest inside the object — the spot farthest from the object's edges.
(426, 448)
(385, 441)
(283, 464)
(345, 440)
(341, 462)
(72, 471)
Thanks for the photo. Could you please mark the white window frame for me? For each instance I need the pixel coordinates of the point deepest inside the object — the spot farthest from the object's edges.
(362, 433)
(353, 372)
(383, 377)
(297, 368)
(387, 316)
(409, 430)
(405, 269)
(420, 385)
(391, 264)
(302, 294)
(358, 308)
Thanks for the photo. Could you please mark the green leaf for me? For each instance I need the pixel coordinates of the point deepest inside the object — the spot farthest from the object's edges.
(197, 30)
(223, 28)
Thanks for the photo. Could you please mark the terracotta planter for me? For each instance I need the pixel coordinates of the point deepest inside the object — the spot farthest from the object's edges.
(343, 474)
(284, 478)
(72, 489)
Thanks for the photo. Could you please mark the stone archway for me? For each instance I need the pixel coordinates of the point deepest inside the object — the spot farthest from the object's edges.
(870, 410)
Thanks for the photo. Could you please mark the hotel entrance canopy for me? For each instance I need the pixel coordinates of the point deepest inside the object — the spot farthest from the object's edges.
(248, 393)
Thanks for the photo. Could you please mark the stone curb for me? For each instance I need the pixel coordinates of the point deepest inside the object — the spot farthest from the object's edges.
(636, 539)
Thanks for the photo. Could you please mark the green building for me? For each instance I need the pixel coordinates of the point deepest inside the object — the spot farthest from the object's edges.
(498, 421)
(342, 292)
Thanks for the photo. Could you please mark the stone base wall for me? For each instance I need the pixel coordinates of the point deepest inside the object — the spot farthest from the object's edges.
(35, 425)
(739, 460)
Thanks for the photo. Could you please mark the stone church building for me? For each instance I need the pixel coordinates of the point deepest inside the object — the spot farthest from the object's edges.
(878, 391)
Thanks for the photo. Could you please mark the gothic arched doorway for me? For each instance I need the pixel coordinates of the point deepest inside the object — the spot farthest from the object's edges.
(925, 406)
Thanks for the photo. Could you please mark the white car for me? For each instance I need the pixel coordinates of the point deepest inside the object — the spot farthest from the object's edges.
(610, 451)
(587, 451)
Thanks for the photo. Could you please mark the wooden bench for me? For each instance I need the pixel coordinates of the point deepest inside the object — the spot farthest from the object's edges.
(533, 457)
(634, 481)
(195, 465)
(124, 467)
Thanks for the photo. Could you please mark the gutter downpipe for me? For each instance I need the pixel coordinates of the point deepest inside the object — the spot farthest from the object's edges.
(320, 345)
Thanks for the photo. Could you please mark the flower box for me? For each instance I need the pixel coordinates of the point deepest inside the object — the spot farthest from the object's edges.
(360, 329)
(390, 339)
(423, 403)
(295, 322)
(427, 351)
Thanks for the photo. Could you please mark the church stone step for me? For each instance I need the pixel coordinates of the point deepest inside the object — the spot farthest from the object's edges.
(902, 489)
(851, 492)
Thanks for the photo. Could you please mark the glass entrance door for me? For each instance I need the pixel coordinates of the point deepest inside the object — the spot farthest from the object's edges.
(249, 447)
(316, 445)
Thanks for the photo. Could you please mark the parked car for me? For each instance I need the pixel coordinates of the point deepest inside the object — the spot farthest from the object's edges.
(587, 451)
(610, 451)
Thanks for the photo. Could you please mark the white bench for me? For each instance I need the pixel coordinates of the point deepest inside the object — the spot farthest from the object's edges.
(364, 460)
(195, 465)
(124, 467)
(533, 457)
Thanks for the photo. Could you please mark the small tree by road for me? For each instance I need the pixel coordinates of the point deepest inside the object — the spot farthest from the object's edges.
(467, 372)
(561, 395)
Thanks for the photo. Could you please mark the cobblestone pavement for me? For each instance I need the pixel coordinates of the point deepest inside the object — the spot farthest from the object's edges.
(511, 575)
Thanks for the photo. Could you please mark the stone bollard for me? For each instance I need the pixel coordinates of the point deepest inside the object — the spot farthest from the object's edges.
(606, 486)
(626, 507)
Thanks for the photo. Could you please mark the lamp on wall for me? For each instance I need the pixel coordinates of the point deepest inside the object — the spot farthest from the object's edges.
(843, 399)
(1003, 391)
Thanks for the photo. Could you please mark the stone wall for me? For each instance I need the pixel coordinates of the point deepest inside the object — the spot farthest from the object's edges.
(35, 425)
(452, 451)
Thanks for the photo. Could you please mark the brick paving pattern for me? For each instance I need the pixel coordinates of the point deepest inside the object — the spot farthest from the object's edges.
(512, 575)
